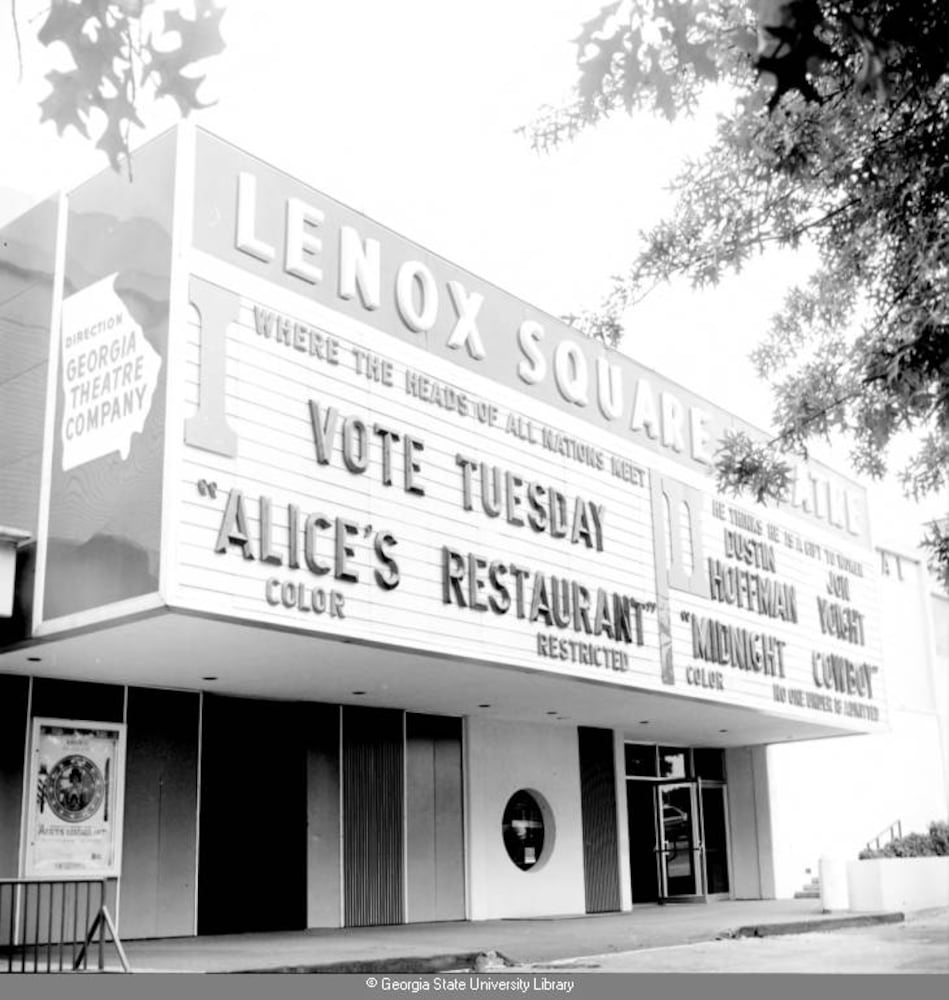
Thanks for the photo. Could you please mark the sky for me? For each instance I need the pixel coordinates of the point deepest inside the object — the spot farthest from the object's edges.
(407, 110)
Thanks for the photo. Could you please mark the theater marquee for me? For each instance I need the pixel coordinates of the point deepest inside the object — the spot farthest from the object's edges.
(380, 447)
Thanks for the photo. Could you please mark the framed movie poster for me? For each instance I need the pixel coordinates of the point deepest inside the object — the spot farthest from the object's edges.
(74, 807)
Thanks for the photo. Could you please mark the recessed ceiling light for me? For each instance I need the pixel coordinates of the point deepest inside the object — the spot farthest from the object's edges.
(357, 692)
(210, 677)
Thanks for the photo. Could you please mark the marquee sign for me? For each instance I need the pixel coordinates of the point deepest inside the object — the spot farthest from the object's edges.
(267, 224)
(376, 493)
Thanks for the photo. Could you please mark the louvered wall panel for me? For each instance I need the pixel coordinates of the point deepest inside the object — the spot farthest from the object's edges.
(372, 817)
(598, 805)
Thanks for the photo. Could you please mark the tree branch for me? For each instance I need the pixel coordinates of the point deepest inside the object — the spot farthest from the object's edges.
(19, 46)
(833, 404)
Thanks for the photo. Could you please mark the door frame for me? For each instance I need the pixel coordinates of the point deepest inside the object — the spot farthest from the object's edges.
(703, 784)
(697, 846)
(700, 861)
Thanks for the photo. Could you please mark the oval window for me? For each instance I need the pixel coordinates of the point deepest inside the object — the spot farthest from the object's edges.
(523, 829)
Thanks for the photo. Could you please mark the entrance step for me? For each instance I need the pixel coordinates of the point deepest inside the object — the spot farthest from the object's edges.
(811, 890)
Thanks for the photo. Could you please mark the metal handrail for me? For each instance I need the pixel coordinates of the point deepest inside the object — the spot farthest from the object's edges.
(47, 925)
(888, 834)
(103, 920)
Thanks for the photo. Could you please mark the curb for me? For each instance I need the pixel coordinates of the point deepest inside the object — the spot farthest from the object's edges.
(407, 965)
(810, 926)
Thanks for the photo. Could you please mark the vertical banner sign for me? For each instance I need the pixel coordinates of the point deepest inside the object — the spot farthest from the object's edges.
(77, 774)
(107, 452)
(110, 372)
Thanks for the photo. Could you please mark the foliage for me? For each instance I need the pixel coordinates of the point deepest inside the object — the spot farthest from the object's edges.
(746, 465)
(116, 56)
(936, 544)
(935, 843)
(939, 835)
(600, 326)
(839, 138)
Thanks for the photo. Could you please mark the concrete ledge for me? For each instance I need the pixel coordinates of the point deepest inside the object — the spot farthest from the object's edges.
(878, 884)
(811, 926)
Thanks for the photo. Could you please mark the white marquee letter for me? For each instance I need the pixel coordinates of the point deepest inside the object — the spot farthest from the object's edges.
(570, 372)
(644, 410)
(854, 513)
(245, 239)
(359, 267)
(701, 438)
(466, 330)
(801, 495)
(529, 335)
(422, 319)
(673, 419)
(609, 389)
(302, 244)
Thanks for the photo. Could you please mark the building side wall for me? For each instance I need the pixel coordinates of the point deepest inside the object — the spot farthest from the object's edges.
(324, 901)
(502, 758)
(14, 698)
(27, 263)
(833, 796)
(27, 259)
(161, 795)
(749, 816)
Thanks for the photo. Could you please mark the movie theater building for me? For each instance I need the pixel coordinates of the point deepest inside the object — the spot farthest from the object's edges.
(343, 588)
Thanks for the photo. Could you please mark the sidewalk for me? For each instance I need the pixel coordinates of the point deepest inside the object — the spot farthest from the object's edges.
(440, 946)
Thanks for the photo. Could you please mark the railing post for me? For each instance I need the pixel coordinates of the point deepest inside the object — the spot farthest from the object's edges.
(75, 920)
(101, 926)
(36, 927)
(49, 927)
(11, 932)
(22, 924)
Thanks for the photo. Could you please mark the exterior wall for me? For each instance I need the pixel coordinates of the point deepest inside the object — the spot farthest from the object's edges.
(503, 757)
(749, 819)
(939, 608)
(27, 260)
(14, 697)
(161, 794)
(27, 263)
(830, 797)
(622, 823)
(156, 897)
(324, 901)
(434, 828)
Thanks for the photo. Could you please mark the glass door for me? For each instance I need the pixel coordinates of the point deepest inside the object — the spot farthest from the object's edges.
(715, 838)
(679, 844)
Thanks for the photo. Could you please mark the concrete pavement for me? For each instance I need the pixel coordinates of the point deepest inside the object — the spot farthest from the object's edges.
(918, 945)
(439, 946)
